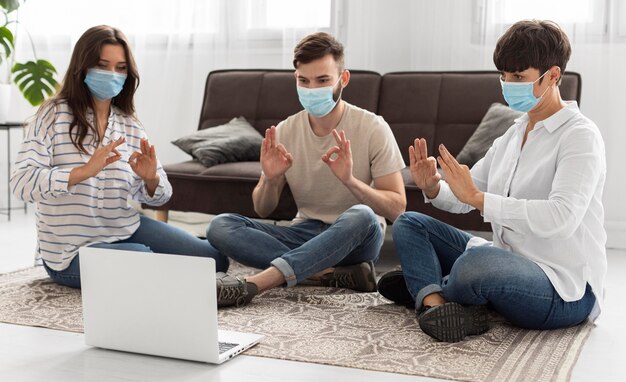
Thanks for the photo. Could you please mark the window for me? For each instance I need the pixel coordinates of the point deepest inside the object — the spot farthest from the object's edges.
(582, 20)
(293, 14)
(235, 19)
(137, 17)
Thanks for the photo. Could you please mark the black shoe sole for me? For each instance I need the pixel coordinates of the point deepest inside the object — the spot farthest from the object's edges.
(451, 322)
(393, 287)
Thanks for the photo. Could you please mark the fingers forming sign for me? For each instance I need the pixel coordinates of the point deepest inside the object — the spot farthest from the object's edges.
(144, 162)
(339, 157)
(275, 159)
(423, 168)
(104, 156)
(458, 176)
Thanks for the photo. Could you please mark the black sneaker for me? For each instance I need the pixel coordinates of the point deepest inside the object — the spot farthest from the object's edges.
(451, 322)
(393, 287)
(360, 277)
(233, 291)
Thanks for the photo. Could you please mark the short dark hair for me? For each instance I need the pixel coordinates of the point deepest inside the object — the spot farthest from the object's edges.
(538, 44)
(316, 46)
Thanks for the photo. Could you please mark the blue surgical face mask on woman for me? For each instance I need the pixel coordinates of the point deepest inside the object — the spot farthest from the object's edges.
(104, 84)
(520, 95)
(318, 101)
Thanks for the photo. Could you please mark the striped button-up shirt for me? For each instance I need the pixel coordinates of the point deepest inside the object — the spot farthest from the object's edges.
(95, 210)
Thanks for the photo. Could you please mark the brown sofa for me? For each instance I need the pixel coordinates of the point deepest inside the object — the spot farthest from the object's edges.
(443, 107)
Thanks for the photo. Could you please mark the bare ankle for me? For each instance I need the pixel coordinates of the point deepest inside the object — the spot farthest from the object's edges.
(433, 299)
(318, 275)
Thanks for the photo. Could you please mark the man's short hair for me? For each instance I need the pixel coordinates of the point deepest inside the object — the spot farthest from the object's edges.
(316, 46)
(538, 44)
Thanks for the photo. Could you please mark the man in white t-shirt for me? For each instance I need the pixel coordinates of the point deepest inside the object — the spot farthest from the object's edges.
(342, 165)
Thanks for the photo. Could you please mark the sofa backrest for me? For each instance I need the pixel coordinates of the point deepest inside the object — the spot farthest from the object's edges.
(266, 97)
(445, 107)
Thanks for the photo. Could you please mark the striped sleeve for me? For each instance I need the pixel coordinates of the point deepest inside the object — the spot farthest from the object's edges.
(34, 178)
(138, 190)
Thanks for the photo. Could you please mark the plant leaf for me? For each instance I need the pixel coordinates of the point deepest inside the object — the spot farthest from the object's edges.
(35, 80)
(9, 5)
(6, 42)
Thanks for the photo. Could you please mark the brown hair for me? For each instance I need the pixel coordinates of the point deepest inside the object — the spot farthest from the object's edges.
(316, 46)
(75, 92)
(538, 44)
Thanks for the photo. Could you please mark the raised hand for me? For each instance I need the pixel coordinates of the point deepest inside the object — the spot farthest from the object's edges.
(424, 168)
(144, 162)
(102, 157)
(341, 165)
(275, 159)
(459, 178)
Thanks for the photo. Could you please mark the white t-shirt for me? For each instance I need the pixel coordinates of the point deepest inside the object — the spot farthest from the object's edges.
(318, 193)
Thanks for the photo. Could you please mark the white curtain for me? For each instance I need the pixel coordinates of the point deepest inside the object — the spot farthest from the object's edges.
(176, 44)
(401, 35)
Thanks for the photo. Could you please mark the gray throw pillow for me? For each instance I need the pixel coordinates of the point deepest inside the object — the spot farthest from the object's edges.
(495, 123)
(234, 141)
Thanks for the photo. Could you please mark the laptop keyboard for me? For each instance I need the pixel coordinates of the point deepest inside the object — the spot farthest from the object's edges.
(226, 346)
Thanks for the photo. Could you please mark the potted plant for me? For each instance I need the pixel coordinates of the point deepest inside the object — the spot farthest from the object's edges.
(35, 79)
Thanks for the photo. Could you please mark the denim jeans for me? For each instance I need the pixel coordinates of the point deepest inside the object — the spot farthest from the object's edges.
(434, 259)
(151, 236)
(301, 250)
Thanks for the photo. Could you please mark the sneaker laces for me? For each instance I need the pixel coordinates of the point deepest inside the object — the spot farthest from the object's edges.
(233, 292)
(343, 280)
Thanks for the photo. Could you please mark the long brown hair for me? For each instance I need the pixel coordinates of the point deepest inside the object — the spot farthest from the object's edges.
(75, 92)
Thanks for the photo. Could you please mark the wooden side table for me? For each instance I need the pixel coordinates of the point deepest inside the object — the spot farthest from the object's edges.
(8, 126)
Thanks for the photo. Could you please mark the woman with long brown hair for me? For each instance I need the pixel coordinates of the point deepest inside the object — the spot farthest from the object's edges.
(85, 154)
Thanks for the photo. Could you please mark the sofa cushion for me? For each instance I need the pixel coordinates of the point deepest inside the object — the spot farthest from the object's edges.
(234, 141)
(496, 122)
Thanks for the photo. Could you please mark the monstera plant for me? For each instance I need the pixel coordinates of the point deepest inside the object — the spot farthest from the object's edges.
(35, 78)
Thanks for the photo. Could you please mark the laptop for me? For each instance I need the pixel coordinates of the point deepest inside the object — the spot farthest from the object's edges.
(157, 304)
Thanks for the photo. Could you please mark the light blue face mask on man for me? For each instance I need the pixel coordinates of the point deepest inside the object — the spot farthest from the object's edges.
(520, 96)
(104, 84)
(318, 101)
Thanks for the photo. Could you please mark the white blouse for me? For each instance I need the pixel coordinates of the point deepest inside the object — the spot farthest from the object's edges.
(544, 201)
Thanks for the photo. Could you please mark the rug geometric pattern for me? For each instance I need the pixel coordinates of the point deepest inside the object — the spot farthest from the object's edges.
(337, 327)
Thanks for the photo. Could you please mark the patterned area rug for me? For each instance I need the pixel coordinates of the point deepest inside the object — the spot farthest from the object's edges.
(336, 327)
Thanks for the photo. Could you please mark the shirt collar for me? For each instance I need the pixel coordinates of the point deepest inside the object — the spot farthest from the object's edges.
(556, 120)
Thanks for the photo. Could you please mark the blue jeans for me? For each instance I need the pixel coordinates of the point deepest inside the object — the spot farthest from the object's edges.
(151, 236)
(301, 250)
(434, 260)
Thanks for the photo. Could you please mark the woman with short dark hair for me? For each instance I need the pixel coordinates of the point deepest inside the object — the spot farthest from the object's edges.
(85, 154)
(539, 185)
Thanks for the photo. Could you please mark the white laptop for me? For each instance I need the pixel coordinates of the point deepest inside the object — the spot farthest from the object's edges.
(150, 303)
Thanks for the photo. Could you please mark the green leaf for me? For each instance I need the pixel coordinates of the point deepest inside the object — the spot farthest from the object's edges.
(35, 80)
(9, 5)
(6, 42)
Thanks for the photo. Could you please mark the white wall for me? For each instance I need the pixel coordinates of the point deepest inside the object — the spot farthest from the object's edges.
(436, 35)
(384, 36)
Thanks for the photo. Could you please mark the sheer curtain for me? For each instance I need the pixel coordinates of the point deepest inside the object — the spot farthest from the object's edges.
(176, 44)
(461, 34)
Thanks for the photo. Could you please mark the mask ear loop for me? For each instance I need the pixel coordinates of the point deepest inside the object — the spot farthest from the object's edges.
(548, 88)
(341, 91)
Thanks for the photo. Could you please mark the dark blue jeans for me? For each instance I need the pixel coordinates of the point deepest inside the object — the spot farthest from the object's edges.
(151, 236)
(301, 250)
(434, 259)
